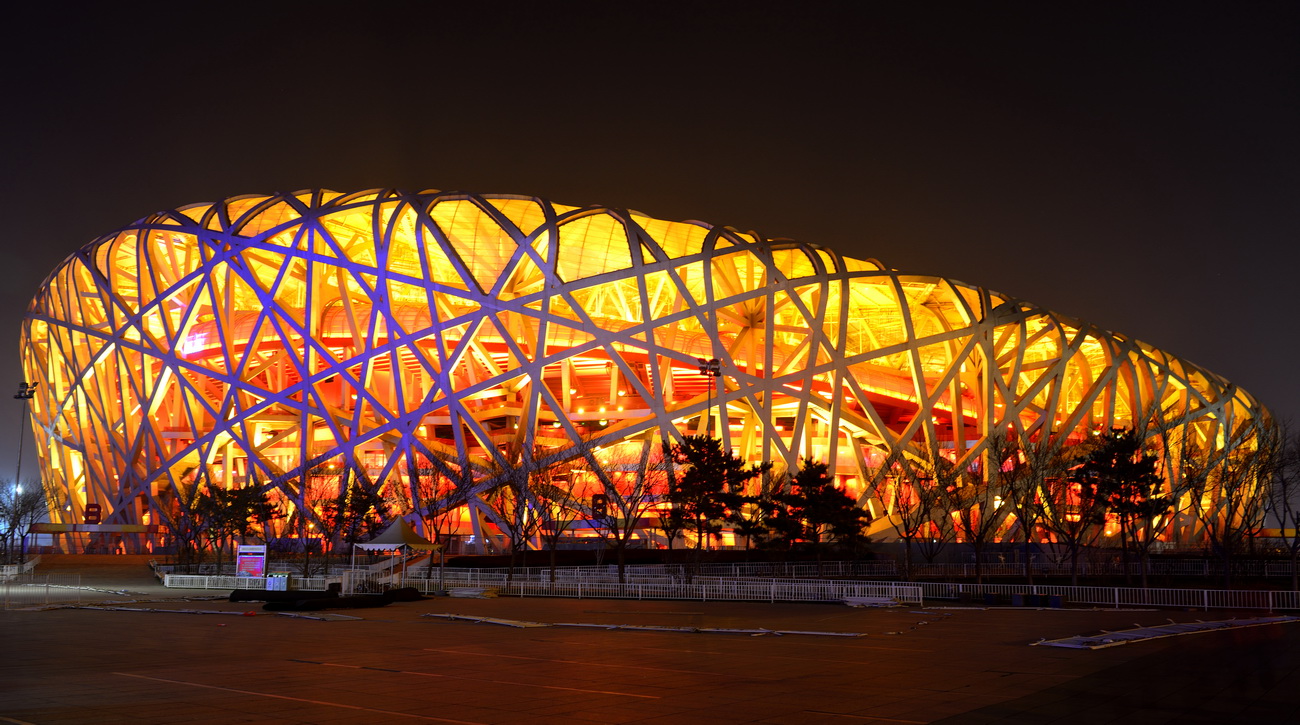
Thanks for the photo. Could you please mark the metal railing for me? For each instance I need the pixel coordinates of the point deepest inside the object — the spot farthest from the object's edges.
(224, 581)
(702, 583)
(229, 568)
(703, 589)
(27, 590)
(1116, 596)
(1208, 568)
(10, 571)
(787, 570)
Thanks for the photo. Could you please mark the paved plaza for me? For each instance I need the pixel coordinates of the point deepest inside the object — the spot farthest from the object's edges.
(933, 665)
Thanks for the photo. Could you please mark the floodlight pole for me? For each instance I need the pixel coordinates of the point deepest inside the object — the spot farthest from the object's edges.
(712, 369)
(25, 392)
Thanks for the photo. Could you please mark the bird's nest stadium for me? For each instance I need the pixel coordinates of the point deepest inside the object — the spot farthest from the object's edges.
(283, 341)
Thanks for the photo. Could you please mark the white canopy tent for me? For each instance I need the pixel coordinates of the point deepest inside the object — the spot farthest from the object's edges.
(398, 535)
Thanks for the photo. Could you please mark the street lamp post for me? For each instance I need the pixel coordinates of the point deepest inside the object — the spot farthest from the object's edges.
(25, 392)
(712, 369)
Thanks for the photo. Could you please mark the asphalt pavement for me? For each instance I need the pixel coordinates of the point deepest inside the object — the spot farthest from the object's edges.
(136, 652)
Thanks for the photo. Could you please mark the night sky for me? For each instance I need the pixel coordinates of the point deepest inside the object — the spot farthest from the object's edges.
(1135, 165)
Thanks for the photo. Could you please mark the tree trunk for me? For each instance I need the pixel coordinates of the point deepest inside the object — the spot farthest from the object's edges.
(1227, 567)
(1029, 567)
(1074, 563)
(1123, 551)
(1295, 576)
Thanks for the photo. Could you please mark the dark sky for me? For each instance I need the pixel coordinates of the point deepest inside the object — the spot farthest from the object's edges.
(1136, 165)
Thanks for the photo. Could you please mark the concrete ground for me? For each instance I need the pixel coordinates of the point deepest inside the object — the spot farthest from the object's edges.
(394, 665)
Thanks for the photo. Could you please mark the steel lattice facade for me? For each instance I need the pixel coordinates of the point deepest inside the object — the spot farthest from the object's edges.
(256, 338)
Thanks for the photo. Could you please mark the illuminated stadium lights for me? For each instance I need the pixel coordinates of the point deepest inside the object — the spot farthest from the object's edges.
(261, 337)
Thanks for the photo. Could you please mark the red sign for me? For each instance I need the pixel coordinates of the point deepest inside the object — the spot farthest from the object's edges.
(251, 561)
(92, 513)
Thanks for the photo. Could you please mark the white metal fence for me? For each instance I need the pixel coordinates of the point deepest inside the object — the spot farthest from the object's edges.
(10, 571)
(780, 570)
(831, 569)
(799, 569)
(996, 594)
(665, 585)
(27, 590)
(734, 583)
(1209, 568)
(638, 585)
(200, 581)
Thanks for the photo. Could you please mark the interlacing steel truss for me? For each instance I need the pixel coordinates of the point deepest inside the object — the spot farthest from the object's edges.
(269, 338)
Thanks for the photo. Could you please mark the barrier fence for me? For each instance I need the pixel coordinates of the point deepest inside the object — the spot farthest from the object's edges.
(11, 571)
(1116, 596)
(1208, 568)
(884, 568)
(696, 588)
(225, 581)
(27, 590)
(787, 582)
(665, 585)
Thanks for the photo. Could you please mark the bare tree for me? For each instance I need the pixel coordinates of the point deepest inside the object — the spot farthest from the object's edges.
(1169, 440)
(511, 477)
(231, 515)
(1229, 488)
(1072, 507)
(176, 510)
(939, 531)
(20, 507)
(632, 482)
(974, 500)
(910, 493)
(1024, 468)
(560, 500)
(309, 502)
(438, 495)
(512, 504)
(1284, 502)
(341, 503)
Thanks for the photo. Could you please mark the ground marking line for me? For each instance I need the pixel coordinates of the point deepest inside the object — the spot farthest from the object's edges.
(635, 632)
(715, 653)
(301, 699)
(576, 662)
(777, 657)
(612, 611)
(867, 646)
(480, 679)
(865, 717)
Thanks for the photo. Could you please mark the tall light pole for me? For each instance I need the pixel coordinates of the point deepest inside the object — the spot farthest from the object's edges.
(25, 392)
(712, 369)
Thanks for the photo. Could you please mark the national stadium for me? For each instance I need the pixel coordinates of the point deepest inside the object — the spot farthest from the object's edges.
(315, 339)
